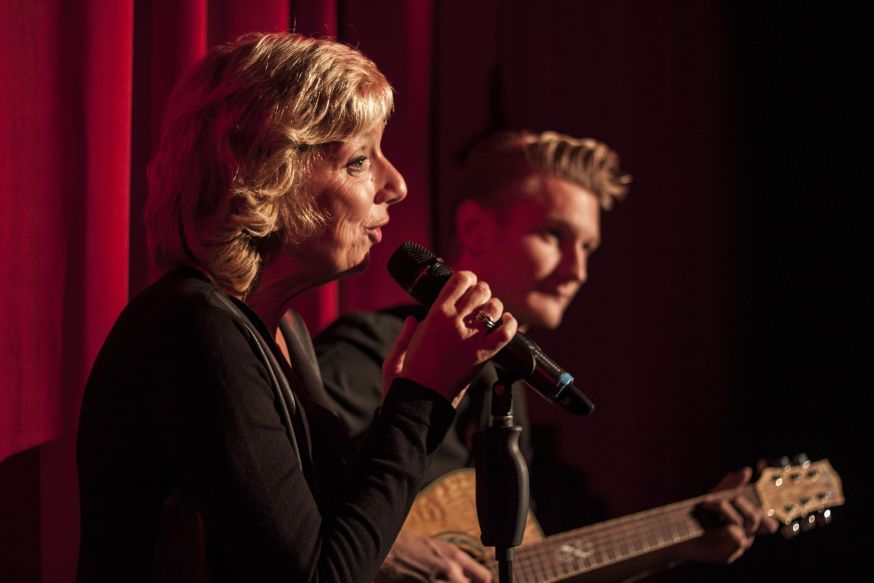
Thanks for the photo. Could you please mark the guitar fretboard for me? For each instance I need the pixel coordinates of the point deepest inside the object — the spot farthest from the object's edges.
(445, 510)
(589, 548)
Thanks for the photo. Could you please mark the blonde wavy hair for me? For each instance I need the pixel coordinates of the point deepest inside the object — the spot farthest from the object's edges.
(242, 129)
(508, 156)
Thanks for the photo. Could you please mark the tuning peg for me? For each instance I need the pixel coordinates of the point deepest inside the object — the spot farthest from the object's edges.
(780, 462)
(807, 523)
(801, 459)
(790, 530)
(824, 517)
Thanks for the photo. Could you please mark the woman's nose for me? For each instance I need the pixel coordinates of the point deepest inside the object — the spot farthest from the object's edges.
(394, 187)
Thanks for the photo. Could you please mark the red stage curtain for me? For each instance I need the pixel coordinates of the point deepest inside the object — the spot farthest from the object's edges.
(85, 85)
(66, 121)
(32, 226)
(66, 139)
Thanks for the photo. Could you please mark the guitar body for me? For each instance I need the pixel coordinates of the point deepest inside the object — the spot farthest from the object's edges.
(446, 510)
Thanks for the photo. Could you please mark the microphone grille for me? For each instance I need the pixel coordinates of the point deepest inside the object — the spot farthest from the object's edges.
(406, 262)
(415, 253)
(419, 271)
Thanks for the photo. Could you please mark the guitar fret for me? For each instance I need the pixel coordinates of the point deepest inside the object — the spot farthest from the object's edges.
(632, 536)
(621, 539)
(532, 569)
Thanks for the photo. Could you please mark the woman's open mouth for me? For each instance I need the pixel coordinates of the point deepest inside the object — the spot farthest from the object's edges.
(374, 233)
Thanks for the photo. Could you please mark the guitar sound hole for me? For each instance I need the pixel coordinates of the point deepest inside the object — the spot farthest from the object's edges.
(467, 543)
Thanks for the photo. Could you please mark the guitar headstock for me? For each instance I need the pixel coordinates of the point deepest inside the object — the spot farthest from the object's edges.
(800, 495)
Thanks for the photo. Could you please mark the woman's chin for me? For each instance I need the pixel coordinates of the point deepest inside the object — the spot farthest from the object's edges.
(363, 264)
(355, 266)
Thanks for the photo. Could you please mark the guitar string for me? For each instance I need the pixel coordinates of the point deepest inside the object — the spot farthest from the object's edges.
(625, 543)
(674, 521)
(532, 558)
(610, 537)
(614, 542)
(664, 526)
(621, 543)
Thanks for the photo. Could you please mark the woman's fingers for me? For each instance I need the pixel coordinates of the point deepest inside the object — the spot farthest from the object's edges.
(481, 312)
(459, 334)
(486, 316)
(477, 308)
(505, 332)
(454, 288)
(394, 362)
(473, 297)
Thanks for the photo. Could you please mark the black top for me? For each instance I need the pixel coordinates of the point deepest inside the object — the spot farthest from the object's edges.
(351, 352)
(201, 454)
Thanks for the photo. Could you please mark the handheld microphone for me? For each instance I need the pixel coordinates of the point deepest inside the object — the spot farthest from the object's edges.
(423, 274)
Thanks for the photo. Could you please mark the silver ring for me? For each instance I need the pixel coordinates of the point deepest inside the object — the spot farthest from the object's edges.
(485, 319)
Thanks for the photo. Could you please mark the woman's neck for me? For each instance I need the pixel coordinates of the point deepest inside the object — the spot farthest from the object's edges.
(270, 302)
(279, 283)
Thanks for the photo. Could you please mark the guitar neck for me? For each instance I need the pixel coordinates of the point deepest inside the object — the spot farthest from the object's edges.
(586, 549)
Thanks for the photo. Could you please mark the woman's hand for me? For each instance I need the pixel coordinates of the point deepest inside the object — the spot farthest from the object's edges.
(393, 365)
(447, 349)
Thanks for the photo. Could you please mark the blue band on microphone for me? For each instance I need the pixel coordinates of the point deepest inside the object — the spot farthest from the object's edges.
(564, 381)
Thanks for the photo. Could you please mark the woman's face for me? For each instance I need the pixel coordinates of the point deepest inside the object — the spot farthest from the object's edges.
(354, 185)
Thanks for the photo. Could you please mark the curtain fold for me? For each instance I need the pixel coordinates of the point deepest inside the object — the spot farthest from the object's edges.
(98, 67)
(32, 226)
(66, 128)
(169, 37)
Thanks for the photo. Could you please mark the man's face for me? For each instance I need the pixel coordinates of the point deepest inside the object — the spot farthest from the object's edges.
(533, 253)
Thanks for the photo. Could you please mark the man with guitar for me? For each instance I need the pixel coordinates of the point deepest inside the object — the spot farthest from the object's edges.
(527, 219)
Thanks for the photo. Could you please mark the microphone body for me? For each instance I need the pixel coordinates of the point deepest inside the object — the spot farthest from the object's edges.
(423, 274)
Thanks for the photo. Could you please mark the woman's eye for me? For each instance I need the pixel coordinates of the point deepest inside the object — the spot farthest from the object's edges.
(357, 164)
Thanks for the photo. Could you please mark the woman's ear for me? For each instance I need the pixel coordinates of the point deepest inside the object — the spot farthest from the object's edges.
(475, 226)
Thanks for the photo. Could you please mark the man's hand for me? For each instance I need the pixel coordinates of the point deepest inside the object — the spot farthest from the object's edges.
(740, 521)
(417, 558)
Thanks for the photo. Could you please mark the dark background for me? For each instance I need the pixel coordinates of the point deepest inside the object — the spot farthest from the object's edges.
(726, 315)
(748, 301)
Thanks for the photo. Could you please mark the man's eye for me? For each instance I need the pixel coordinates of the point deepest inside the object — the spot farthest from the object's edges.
(551, 236)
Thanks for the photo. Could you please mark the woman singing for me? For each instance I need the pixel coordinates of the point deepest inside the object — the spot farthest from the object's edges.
(207, 451)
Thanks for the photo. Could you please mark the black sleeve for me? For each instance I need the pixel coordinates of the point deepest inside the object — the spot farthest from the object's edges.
(216, 423)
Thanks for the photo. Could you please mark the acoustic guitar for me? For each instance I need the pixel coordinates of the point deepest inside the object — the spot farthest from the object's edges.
(798, 496)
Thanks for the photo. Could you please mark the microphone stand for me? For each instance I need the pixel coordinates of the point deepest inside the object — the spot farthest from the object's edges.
(501, 478)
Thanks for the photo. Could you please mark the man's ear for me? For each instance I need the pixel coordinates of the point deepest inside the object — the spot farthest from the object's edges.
(475, 226)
